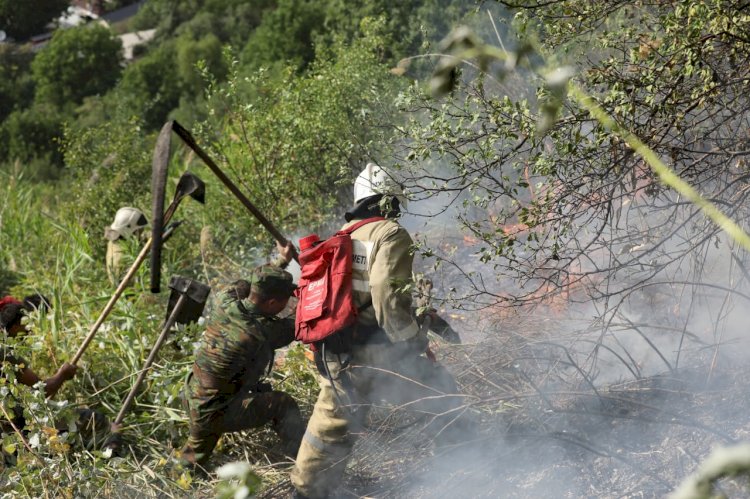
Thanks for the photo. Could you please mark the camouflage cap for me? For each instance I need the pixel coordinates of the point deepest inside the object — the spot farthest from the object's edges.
(272, 280)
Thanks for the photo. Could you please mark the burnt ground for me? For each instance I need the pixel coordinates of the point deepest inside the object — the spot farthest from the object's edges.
(635, 440)
(548, 428)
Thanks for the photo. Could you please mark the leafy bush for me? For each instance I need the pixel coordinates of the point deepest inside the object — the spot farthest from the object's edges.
(34, 133)
(230, 20)
(295, 142)
(206, 50)
(76, 63)
(24, 19)
(148, 89)
(286, 35)
(109, 168)
(412, 25)
(16, 85)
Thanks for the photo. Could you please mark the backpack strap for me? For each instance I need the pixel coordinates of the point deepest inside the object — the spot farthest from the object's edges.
(351, 229)
(359, 224)
(364, 306)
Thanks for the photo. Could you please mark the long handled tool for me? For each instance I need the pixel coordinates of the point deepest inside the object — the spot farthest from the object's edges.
(188, 139)
(191, 298)
(159, 175)
(188, 185)
(160, 217)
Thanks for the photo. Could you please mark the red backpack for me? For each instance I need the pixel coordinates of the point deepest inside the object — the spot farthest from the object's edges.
(326, 304)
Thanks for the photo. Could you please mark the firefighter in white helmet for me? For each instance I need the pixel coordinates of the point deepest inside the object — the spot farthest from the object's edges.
(128, 224)
(382, 357)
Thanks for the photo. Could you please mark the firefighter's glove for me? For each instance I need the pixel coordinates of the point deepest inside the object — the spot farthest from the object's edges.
(425, 317)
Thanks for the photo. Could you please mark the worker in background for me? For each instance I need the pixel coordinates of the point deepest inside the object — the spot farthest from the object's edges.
(12, 312)
(128, 224)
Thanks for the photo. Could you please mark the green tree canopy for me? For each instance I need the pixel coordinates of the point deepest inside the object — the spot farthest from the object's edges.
(21, 19)
(77, 63)
(207, 52)
(34, 133)
(286, 34)
(410, 23)
(16, 85)
(230, 20)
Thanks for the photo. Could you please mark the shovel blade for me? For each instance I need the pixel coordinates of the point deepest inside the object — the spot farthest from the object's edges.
(196, 294)
(190, 185)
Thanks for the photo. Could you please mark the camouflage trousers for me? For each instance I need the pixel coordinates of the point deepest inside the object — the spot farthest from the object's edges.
(242, 412)
(373, 374)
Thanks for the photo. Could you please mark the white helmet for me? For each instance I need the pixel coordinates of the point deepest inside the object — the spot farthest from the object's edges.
(127, 221)
(375, 180)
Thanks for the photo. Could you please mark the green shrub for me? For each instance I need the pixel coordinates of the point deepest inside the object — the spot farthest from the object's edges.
(76, 63)
(295, 142)
(16, 85)
(34, 133)
(110, 167)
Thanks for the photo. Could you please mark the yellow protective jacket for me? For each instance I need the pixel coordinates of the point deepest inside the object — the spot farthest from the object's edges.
(382, 263)
(115, 252)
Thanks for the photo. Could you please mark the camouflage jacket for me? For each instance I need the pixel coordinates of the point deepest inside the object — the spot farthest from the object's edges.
(237, 350)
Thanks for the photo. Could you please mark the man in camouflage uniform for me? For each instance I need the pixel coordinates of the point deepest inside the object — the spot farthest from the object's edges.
(224, 392)
(384, 357)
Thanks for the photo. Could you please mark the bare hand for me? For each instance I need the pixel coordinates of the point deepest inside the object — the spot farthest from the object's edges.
(67, 371)
(286, 252)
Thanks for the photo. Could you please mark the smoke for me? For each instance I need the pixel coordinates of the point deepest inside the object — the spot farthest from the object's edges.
(614, 384)
(618, 371)
(618, 396)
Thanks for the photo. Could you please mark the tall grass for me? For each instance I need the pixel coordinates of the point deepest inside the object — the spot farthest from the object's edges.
(44, 249)
(22, 223)
(41, 250)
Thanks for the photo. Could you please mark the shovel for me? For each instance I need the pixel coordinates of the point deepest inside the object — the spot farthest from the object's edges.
(190, 297)
(159, 175)
(189, 185)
